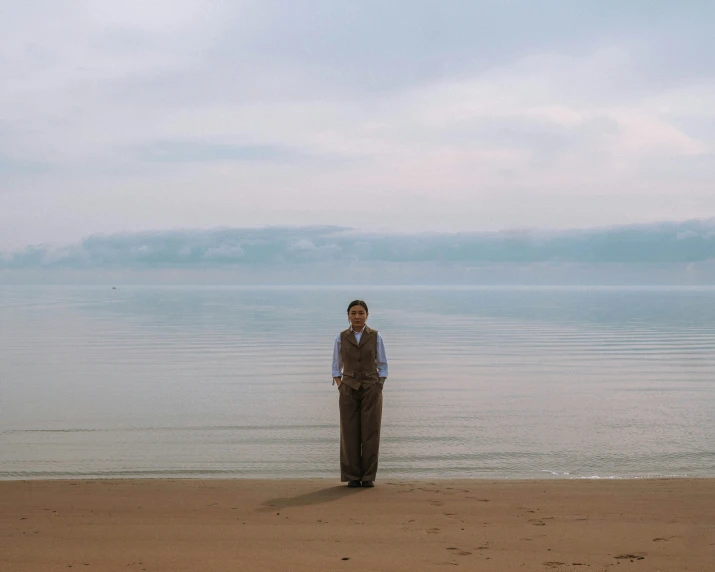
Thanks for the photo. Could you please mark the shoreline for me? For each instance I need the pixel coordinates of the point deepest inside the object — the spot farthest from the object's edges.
(223, 477)
(177, 524)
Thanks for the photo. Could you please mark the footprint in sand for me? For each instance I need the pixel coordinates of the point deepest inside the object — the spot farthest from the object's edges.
(433, 531)
(636, 556)
(436, 503)
(554, 564)
(458, 551)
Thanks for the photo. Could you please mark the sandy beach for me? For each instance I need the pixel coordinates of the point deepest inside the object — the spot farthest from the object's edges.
(311, 525)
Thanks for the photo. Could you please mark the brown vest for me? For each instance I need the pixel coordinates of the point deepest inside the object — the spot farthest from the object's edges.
(359, 361)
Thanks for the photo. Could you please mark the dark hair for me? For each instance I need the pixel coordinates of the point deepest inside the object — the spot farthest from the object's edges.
(358, 303)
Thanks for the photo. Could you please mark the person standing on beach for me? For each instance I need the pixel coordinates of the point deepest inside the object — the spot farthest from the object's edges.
(360, 371)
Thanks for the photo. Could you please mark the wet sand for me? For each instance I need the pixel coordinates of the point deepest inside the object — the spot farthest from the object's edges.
(314, 525)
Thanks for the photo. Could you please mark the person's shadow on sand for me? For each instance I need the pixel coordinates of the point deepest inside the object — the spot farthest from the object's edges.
(317, 497)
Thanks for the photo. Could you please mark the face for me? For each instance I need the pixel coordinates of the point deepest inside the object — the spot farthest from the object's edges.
(358, 317)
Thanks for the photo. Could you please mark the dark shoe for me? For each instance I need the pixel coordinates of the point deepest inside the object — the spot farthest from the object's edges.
(353, 484)
(368, 484)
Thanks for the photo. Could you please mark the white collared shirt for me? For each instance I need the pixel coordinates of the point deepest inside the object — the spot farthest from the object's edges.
(381, 359)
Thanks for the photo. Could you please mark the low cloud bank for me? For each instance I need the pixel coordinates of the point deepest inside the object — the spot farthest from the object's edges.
(669, 242)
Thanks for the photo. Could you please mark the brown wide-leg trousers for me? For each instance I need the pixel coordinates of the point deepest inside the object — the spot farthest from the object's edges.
(360, 417)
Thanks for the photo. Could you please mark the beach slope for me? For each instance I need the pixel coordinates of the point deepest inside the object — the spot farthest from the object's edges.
(315, 525)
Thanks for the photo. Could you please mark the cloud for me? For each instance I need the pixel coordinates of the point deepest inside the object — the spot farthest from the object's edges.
(668, 242)
(461, 115)
(195, 151)
(10, 167)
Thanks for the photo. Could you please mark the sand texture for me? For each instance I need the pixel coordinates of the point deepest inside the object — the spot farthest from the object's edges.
(314, 525)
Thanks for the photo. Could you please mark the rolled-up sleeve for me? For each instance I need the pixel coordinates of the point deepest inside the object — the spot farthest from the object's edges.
(381, 357)
(337, 359)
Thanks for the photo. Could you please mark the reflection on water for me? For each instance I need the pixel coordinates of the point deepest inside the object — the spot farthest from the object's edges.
(235, 382)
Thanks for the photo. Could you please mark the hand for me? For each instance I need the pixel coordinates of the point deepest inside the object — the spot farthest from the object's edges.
(338, 380)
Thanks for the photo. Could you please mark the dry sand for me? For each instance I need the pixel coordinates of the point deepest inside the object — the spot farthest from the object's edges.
(313, 525)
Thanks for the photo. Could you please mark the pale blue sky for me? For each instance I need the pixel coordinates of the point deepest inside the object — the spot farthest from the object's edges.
(389, 116)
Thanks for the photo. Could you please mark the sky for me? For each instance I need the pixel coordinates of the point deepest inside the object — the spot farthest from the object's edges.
(388, 116)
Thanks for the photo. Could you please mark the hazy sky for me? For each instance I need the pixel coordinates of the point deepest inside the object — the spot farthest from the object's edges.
(386, 115)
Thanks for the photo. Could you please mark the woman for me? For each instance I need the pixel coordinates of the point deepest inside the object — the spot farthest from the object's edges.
(360, 370)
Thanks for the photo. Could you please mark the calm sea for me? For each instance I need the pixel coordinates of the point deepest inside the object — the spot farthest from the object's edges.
(235, 382)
